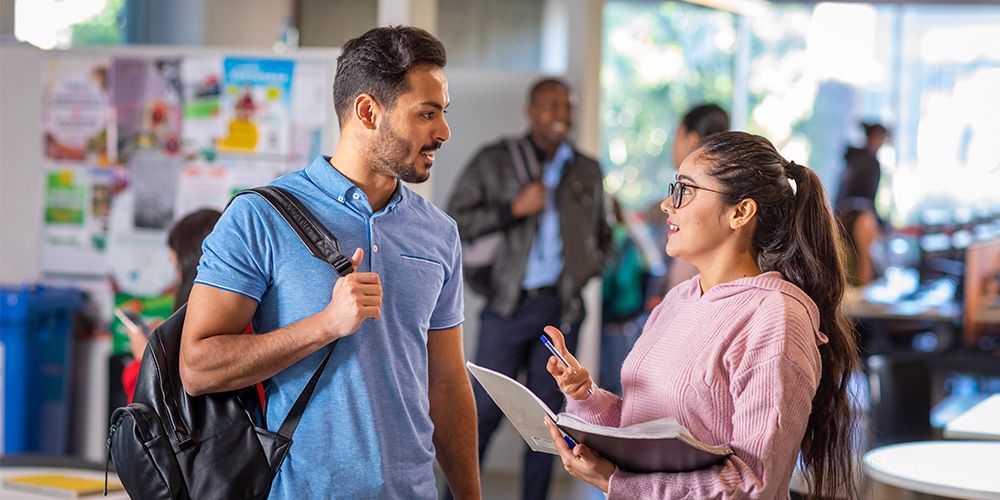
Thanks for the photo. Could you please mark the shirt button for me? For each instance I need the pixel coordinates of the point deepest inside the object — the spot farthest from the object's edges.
(375, 248)
(340, 198)
(357, 196)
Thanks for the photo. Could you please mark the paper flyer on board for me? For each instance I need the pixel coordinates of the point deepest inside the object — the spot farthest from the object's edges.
(76, 206)
(202, 186)
(76, 111)
(138, 259)
(256, 105)
(201, 79)
(146, 94)
(247, 172)
(154, 182)
(310, 88)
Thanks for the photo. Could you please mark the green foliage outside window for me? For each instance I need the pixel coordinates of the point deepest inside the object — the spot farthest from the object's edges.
(659, 59)
(106, 28)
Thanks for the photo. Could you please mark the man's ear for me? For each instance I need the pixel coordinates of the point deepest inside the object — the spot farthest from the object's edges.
(367, 110)
(743, 213)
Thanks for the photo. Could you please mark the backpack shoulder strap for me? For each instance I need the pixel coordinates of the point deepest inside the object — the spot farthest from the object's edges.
(321, 243)
(523, 166)
(324, 246)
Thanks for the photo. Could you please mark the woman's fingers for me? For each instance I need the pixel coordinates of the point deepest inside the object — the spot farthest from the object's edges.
(557, 439)
(557, 339)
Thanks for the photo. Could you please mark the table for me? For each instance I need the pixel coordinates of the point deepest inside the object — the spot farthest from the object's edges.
(87, 473)
(911, 311)
(959, 469)
(979, 422)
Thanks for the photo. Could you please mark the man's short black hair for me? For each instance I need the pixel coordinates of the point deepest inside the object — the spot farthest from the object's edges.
(376, 63)
(546, 82)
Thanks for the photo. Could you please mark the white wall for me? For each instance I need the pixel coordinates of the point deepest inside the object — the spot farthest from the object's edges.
(20, 171)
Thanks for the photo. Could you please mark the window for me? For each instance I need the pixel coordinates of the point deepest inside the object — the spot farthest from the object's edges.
(805, 76)
(50, 24)
(659, 58)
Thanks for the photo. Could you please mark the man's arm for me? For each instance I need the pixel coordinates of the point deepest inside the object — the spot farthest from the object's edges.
(453, 411)
(216, 356)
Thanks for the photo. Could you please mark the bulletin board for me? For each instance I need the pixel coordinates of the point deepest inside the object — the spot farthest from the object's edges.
(134, 140)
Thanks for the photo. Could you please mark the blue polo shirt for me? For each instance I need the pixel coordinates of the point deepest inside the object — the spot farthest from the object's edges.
(367, 430)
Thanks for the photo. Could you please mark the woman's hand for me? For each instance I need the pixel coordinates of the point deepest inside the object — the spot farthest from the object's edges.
(137, 339)
(581, 462)
(575, 380)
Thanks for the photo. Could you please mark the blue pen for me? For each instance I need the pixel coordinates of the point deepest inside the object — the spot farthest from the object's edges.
(569, 441)
(548, 345)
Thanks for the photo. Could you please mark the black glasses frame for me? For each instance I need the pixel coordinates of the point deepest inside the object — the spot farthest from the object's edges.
(675, 191)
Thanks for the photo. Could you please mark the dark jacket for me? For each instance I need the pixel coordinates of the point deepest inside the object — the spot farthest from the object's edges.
(481, 204)
(861, 176)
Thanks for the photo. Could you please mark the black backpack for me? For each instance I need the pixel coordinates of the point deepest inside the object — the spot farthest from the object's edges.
(167, 444)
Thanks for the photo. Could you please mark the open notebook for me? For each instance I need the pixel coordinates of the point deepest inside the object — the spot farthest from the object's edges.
(58, 485)
(657, 446)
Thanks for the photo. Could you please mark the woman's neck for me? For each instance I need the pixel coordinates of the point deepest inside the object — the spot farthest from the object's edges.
(724, 270)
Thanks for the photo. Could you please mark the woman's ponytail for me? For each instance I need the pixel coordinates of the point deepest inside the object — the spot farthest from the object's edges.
(814, 261)
(809, 253)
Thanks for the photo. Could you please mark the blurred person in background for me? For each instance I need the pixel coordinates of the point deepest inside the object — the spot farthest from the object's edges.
(862, 170)
(861, 231)
(697, 124)
(622, 297)
(543, 201)
(184, 240)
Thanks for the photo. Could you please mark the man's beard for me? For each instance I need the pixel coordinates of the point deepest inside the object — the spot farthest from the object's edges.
(389, 153)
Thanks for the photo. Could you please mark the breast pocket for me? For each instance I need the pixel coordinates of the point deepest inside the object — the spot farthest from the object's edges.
(423, 278)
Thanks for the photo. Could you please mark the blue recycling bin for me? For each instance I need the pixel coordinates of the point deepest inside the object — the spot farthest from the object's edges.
(36, 332)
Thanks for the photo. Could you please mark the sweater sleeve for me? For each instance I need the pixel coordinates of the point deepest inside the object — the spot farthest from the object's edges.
(600, 408)
(773, 382)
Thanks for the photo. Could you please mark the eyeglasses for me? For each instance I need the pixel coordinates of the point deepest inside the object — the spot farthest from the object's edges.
(678, 190)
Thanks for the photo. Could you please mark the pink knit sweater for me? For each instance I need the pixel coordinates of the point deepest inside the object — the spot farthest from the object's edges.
(737, 366)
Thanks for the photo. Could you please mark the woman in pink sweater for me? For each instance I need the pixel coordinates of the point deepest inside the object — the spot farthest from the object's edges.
(753, 352)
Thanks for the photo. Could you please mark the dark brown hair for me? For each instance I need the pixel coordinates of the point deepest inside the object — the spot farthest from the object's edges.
(797, 235)
(376, 63)
(706, 119)
(185, 240)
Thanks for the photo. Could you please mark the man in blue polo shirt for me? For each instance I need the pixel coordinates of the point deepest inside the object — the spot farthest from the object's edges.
(395, 395)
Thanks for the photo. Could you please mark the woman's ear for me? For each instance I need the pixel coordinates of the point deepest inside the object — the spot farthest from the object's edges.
(743, 213)
(366, 110)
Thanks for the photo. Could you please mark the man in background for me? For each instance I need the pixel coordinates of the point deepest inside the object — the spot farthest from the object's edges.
(531, 213)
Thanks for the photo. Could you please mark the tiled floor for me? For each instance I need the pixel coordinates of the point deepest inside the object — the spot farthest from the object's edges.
(503, 486)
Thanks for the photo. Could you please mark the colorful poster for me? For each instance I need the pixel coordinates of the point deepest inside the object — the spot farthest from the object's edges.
(147, 100)
(256, 106)
(154, 182)
(201, 78)
(76, 111)
(76, 208)
(65, 196)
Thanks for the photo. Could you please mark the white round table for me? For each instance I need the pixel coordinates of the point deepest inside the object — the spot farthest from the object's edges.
(959, 469)
(30, 471)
